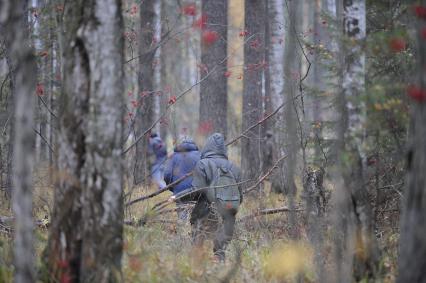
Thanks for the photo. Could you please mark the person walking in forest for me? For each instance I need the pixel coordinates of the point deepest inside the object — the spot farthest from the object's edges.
(182, 162)
(158, 149)
(219, 197)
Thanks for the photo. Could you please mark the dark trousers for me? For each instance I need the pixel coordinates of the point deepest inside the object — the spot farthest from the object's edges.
(210, 223)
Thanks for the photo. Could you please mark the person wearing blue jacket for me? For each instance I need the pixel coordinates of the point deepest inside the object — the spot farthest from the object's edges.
(159, 150)
(182, 162)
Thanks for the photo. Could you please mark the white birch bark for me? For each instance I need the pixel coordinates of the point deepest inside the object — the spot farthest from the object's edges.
(354, 21)
(276, 62)
(103, 170)
(276, 50)
(353, 87)
(85, 244)
(331, 7)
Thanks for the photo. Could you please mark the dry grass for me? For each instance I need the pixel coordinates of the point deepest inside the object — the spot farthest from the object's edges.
(161, 250)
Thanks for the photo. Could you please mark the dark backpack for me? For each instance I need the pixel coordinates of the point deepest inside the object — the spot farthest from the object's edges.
(223, 190)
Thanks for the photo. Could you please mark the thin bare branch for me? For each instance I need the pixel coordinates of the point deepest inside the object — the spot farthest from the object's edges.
(166, 188)
(47, 107)
(178, 97)
(266, 175)
(269, 211)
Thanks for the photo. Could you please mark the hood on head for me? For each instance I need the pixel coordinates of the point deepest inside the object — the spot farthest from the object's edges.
(186, 144)
(215, 146)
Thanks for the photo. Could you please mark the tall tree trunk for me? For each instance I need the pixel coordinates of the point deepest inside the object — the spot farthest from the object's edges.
(315, 208)
(103, 170)
(13, 15)
(170, 72)
(268, 148)
(85, 244)
(343, 228)
(317, 81)
(276, 49)
(290, 87)
(267, 97)
(51, 88)
(11, 132)
(157, 70)
(145, 114)
(252, 87)
(163, 68)
(412, 260)
(213, 91)
(42, 43)
(354, 23)
(276, 72)
(9, 121)
(49, 76)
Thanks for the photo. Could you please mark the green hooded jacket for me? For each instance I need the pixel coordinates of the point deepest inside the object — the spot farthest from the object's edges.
(213, 155)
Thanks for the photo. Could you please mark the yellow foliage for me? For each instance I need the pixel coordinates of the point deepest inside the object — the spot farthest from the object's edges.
(388, 105)
(289, 260)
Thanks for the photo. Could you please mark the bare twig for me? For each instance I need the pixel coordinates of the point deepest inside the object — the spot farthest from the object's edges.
(142, 222)
(44, 139)
(47, 107)
(148, 130)
(3, 83)
(178, 97)
(153, 50)
(265, 176)
(229, 143)
(7, 222)
(243, 134)
(5, 125)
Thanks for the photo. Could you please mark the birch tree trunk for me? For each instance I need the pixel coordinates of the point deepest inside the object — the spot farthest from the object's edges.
(412, 260)
(145, 114)
(13, 15)
(276, 51)
(252, 88)
(103, 170)
(85, 244)
(342, 222)
(365, 250)
(213, 91)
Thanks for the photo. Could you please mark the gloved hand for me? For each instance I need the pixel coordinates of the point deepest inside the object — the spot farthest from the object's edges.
(172, 199)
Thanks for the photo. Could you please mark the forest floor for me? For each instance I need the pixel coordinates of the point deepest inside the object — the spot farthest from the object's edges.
(161, 250)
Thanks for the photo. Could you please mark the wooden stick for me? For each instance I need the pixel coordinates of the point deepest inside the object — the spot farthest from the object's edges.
(269, 211)
(166, 188)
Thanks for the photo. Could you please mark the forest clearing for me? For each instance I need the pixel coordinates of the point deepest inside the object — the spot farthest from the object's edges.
(212, 141)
